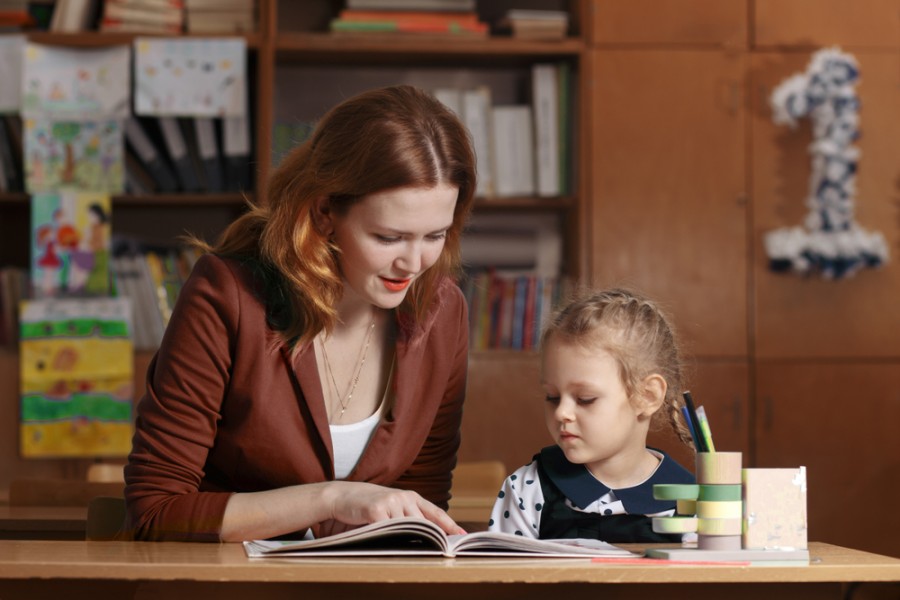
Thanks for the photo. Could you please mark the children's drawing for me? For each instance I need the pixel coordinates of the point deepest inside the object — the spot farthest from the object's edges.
(74, 155)
(11, 49)
(76, 84)
(75, 377)
(70, 245)
(190, 77)
(829, 241)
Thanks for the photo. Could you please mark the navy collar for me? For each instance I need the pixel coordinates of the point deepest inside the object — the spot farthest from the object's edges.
(582, 488)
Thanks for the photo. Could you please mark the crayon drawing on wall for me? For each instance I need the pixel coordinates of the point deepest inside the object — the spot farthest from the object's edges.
(76, 84)
(76, 360)
(70, 244)
(74, 155)
(199, 77)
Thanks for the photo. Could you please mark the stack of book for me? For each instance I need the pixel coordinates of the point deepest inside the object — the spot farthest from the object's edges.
(220, 16)
(522, 150)
(537, 24)
(150, 16)
(452, 17)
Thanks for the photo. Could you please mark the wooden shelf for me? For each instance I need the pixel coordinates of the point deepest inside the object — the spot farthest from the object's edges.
(363, 48)
(101, 39)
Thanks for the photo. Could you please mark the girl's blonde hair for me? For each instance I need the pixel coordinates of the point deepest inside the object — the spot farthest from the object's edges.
(379, 140)
(637, 334)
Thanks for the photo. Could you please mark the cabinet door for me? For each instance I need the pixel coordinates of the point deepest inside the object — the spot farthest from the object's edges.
(504, 413)
(800, 317)
(708, 22)
(839, 420)
(667, 198)
(722, 388)
(812, 23)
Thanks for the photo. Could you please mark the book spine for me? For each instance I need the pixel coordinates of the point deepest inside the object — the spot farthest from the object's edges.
(477, 119)
(513, 150)
(178, 152)
(208, 151)
(546, 122)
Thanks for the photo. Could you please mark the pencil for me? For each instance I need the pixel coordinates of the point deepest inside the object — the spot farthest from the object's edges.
(695, 423)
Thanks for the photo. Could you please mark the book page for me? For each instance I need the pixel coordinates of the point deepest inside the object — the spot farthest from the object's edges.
(412, 536)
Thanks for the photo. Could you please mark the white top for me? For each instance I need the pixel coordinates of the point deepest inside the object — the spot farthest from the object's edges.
(350, 441)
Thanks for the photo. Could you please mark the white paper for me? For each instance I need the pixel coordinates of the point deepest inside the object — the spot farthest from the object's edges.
(190, 77)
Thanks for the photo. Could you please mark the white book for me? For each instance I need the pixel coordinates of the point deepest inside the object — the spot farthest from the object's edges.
(545, 104)
(452, 98)
(513, 145)
(417, 536)
(476, 112)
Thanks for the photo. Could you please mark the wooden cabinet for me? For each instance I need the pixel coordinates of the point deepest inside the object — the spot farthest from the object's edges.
(662, 22)
(806, 316)
(815, 23)
(839, 420)
(668, 211)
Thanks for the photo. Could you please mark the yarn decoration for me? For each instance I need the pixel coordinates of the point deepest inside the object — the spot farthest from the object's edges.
(829, 242)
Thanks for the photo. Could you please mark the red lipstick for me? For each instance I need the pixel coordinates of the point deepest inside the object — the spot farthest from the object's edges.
(395, 285)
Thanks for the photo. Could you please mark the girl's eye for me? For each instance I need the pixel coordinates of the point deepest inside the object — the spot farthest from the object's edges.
(585, 401)
(552, 399)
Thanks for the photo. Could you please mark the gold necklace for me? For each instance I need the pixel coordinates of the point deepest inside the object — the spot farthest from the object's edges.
(364, 352)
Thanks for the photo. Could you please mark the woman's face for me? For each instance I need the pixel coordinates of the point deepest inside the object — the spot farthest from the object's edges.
(389, 238)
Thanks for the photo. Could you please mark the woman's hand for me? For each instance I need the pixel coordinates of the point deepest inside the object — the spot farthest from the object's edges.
(357, 503)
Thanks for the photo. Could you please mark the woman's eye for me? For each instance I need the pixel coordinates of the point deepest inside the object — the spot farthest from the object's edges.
(436, 237)
(387, 239)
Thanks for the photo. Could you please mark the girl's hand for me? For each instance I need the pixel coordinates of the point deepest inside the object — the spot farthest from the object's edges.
(358, 503)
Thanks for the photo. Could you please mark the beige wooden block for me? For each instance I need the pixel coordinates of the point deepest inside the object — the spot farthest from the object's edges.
(719, 467)
(775, 508)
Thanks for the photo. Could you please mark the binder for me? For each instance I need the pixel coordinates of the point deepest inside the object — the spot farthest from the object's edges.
(236, 148)
(152, 160)
(177, 147)
(208, 151)
(545, 103)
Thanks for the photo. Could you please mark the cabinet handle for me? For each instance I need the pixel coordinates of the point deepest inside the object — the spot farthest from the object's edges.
(768, 412)
(730, 96)
(737, 416)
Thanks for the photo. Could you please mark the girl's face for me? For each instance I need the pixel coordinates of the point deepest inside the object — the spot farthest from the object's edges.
(389, 238)
(587, 408)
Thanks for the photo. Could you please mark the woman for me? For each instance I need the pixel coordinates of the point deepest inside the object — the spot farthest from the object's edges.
(313, 371)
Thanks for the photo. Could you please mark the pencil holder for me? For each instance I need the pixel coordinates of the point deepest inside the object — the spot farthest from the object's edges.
(719, 501)
(719, 468)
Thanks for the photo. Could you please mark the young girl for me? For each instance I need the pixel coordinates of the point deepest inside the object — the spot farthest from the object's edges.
(610, 365)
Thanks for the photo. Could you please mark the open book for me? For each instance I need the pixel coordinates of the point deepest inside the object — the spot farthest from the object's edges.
(415, 536)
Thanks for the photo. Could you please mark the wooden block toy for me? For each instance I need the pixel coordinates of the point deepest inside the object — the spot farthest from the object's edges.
(775, 508)
(719, 468)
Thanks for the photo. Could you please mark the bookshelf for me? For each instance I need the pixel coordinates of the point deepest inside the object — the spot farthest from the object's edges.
(296, 69)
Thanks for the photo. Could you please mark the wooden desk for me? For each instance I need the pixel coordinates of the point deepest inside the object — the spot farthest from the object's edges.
(42, 522)
(44, 569)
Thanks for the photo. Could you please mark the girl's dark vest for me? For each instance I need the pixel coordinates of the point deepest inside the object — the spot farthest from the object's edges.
(560, 521)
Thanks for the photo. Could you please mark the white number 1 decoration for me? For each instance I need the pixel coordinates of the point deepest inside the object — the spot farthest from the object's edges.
(829, 242)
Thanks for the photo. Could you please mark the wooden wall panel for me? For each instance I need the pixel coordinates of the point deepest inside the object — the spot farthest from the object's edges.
(723, 389)
(813, 23)
(668, 208)
(810, 317)
(694, 22)
(503, 417)
(839, 420)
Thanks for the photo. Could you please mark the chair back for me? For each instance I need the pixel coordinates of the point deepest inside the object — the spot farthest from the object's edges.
(33, 491)
(105, 518)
